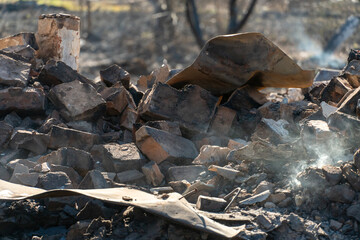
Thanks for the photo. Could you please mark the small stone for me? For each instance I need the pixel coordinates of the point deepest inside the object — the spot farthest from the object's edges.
(352, 175)
(12, 72)
(327, 109)
(57, 72)
(66, 137)
(285, 203)
(128, 118)
(117, 100)
(42, 167)
(295, 222)
(19, 39)
(30, 140)
(158, 75)
(299, 200)
(129, 176)
(19, 168)
(167, 126)
(275, 131)
(5, 133)
(167, 103)
(210, 204)
(255, 199)
(269, 205)
(68, 98)
(222, 121)
(109, 175)
(29, 101)
(264, 222)
(354, 211)
(159, 145)
(118, 157)
(335, 225)
(317, 132)
(335, 90)
(351, 73)
(312, 178)
(227, 173)
(28, 179)
(4, 173)
(340, 193)
(115, 74)
(263, 186)
(13, 119)
(179, 186)
(79, 160)
(152, 173)
(74, 177)
(357, 159)
(234, 144)
(12, 164)
(210, 155)
(348, 105)
(332, 174)
(93, 180)
(54, 180)
(77, 230)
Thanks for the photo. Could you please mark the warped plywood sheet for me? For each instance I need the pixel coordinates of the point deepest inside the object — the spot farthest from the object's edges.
(232, 61)
(170, 206)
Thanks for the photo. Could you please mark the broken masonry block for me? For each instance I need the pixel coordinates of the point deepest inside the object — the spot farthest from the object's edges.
(58, 37)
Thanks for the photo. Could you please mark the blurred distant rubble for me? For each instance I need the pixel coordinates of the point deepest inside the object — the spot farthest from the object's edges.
(262, 163)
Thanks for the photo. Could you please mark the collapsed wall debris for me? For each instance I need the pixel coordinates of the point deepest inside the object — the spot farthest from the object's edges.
(101, 160)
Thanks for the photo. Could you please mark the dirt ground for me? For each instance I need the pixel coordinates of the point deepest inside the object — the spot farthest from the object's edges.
(133, 38)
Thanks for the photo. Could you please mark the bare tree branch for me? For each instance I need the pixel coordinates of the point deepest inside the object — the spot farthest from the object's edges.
(235, 27)
(193, 19)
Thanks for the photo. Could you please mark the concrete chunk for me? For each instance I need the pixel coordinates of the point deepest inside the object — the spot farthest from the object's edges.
(158, 145)
(352, 73)
(210, 204)
(12, 72)
(66, 137)
(171, 127)
(30, 101)
(58, 37)
(349, 105)
(118, 157)
(77, 101)
(93, 180)
(211, 155)
(335, 90)
(152, 173)
(223, 120)
(57, 72)
(54, 180)
(225, 172)
(117, 100)
(18, 40)
(115, 74)
(129, 176)
(193, 107)
(30, 140)
(79, 160)
(5, 133)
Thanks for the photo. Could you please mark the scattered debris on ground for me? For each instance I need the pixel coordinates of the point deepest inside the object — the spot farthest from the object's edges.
(204, 153)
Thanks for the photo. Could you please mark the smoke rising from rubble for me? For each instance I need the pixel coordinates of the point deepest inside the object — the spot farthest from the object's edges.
(332, 152)
(311, 48)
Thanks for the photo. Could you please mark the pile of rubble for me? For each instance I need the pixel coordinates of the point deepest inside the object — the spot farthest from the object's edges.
(278, 165)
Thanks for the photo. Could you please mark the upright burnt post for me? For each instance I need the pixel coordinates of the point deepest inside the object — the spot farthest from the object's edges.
(58, 38)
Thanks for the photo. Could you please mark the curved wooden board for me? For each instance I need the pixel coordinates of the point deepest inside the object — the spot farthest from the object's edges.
(232, 61)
